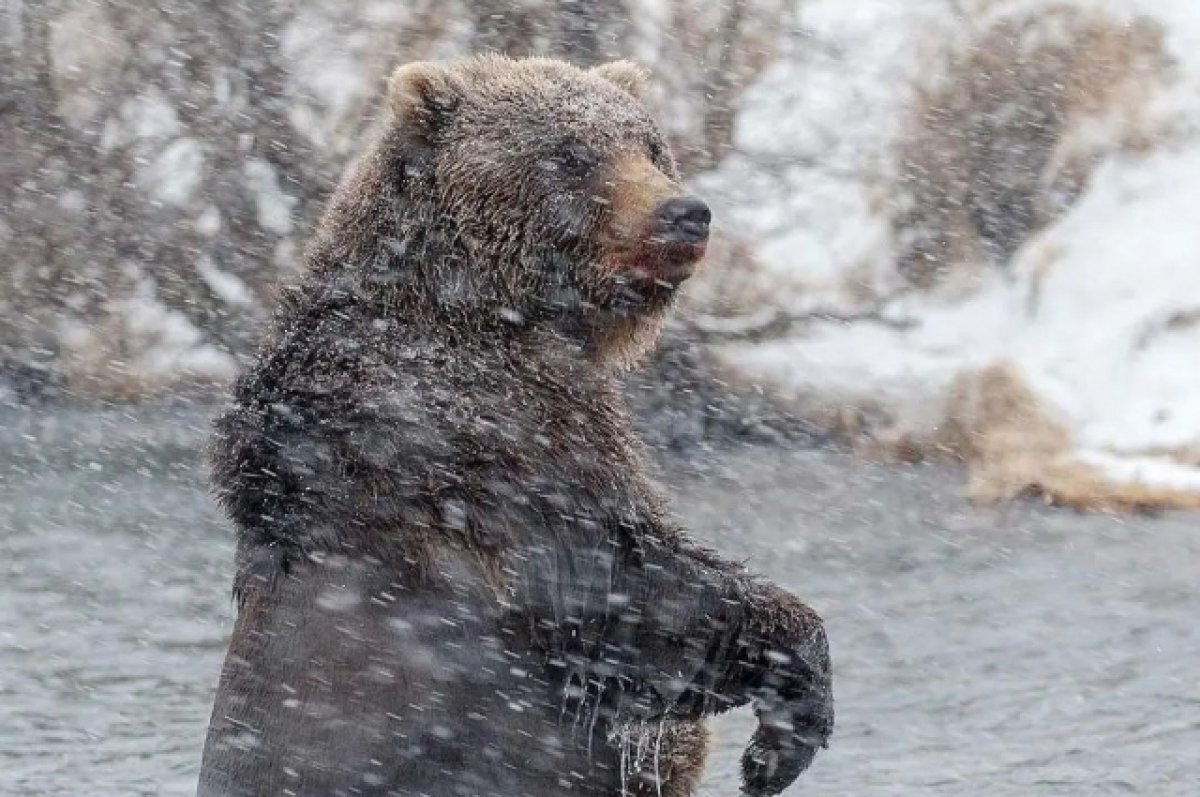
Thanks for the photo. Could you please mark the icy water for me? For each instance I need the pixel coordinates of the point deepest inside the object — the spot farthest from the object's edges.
(1019, 651)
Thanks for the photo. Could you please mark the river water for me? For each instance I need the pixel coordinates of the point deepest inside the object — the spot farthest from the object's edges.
(1019, 650)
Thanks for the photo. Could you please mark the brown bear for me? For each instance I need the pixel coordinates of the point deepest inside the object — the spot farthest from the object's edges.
(454, 577)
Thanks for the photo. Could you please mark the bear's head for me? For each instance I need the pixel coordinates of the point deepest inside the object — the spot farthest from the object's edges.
(561, 194)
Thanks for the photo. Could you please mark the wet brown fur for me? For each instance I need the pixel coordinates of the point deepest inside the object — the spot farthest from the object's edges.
(454, 576)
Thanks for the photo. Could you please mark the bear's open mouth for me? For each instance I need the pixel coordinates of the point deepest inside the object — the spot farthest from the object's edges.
(669, 262)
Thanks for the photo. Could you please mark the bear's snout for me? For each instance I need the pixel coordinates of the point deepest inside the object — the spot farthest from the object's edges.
(682, 220)
(677, 239)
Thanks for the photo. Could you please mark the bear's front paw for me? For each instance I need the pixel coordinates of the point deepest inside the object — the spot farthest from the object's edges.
(785, 743)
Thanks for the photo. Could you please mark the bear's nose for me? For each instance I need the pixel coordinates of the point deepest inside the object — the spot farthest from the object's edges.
(683, 220)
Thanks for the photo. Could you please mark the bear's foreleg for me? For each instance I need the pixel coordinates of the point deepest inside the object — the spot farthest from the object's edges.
(707, 636)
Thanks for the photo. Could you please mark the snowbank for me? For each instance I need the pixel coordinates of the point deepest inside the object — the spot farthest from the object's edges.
(1081, 340)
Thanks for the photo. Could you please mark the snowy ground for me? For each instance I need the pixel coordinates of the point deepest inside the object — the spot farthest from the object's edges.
(1007, 652)
(1097, 315)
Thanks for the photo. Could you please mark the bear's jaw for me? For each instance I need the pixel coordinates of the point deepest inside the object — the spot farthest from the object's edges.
(663, 263)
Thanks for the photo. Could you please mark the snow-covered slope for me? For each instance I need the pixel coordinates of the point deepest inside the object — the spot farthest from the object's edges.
(1090, 326)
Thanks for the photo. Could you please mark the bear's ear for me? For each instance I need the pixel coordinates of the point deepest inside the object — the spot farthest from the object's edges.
(626, 75)
(421, 96)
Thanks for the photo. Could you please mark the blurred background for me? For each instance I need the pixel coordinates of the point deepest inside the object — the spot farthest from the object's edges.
(957, 268)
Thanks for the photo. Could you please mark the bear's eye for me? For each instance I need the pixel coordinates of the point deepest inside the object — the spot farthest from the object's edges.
(576, 159)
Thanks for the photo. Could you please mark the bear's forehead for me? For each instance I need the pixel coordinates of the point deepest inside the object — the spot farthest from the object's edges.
(569, 102)
(584, 114)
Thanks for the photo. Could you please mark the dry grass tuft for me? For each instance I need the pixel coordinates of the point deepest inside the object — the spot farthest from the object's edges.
(1014, 447)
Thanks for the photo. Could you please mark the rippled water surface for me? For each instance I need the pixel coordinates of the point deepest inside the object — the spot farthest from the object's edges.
(1017, 651)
